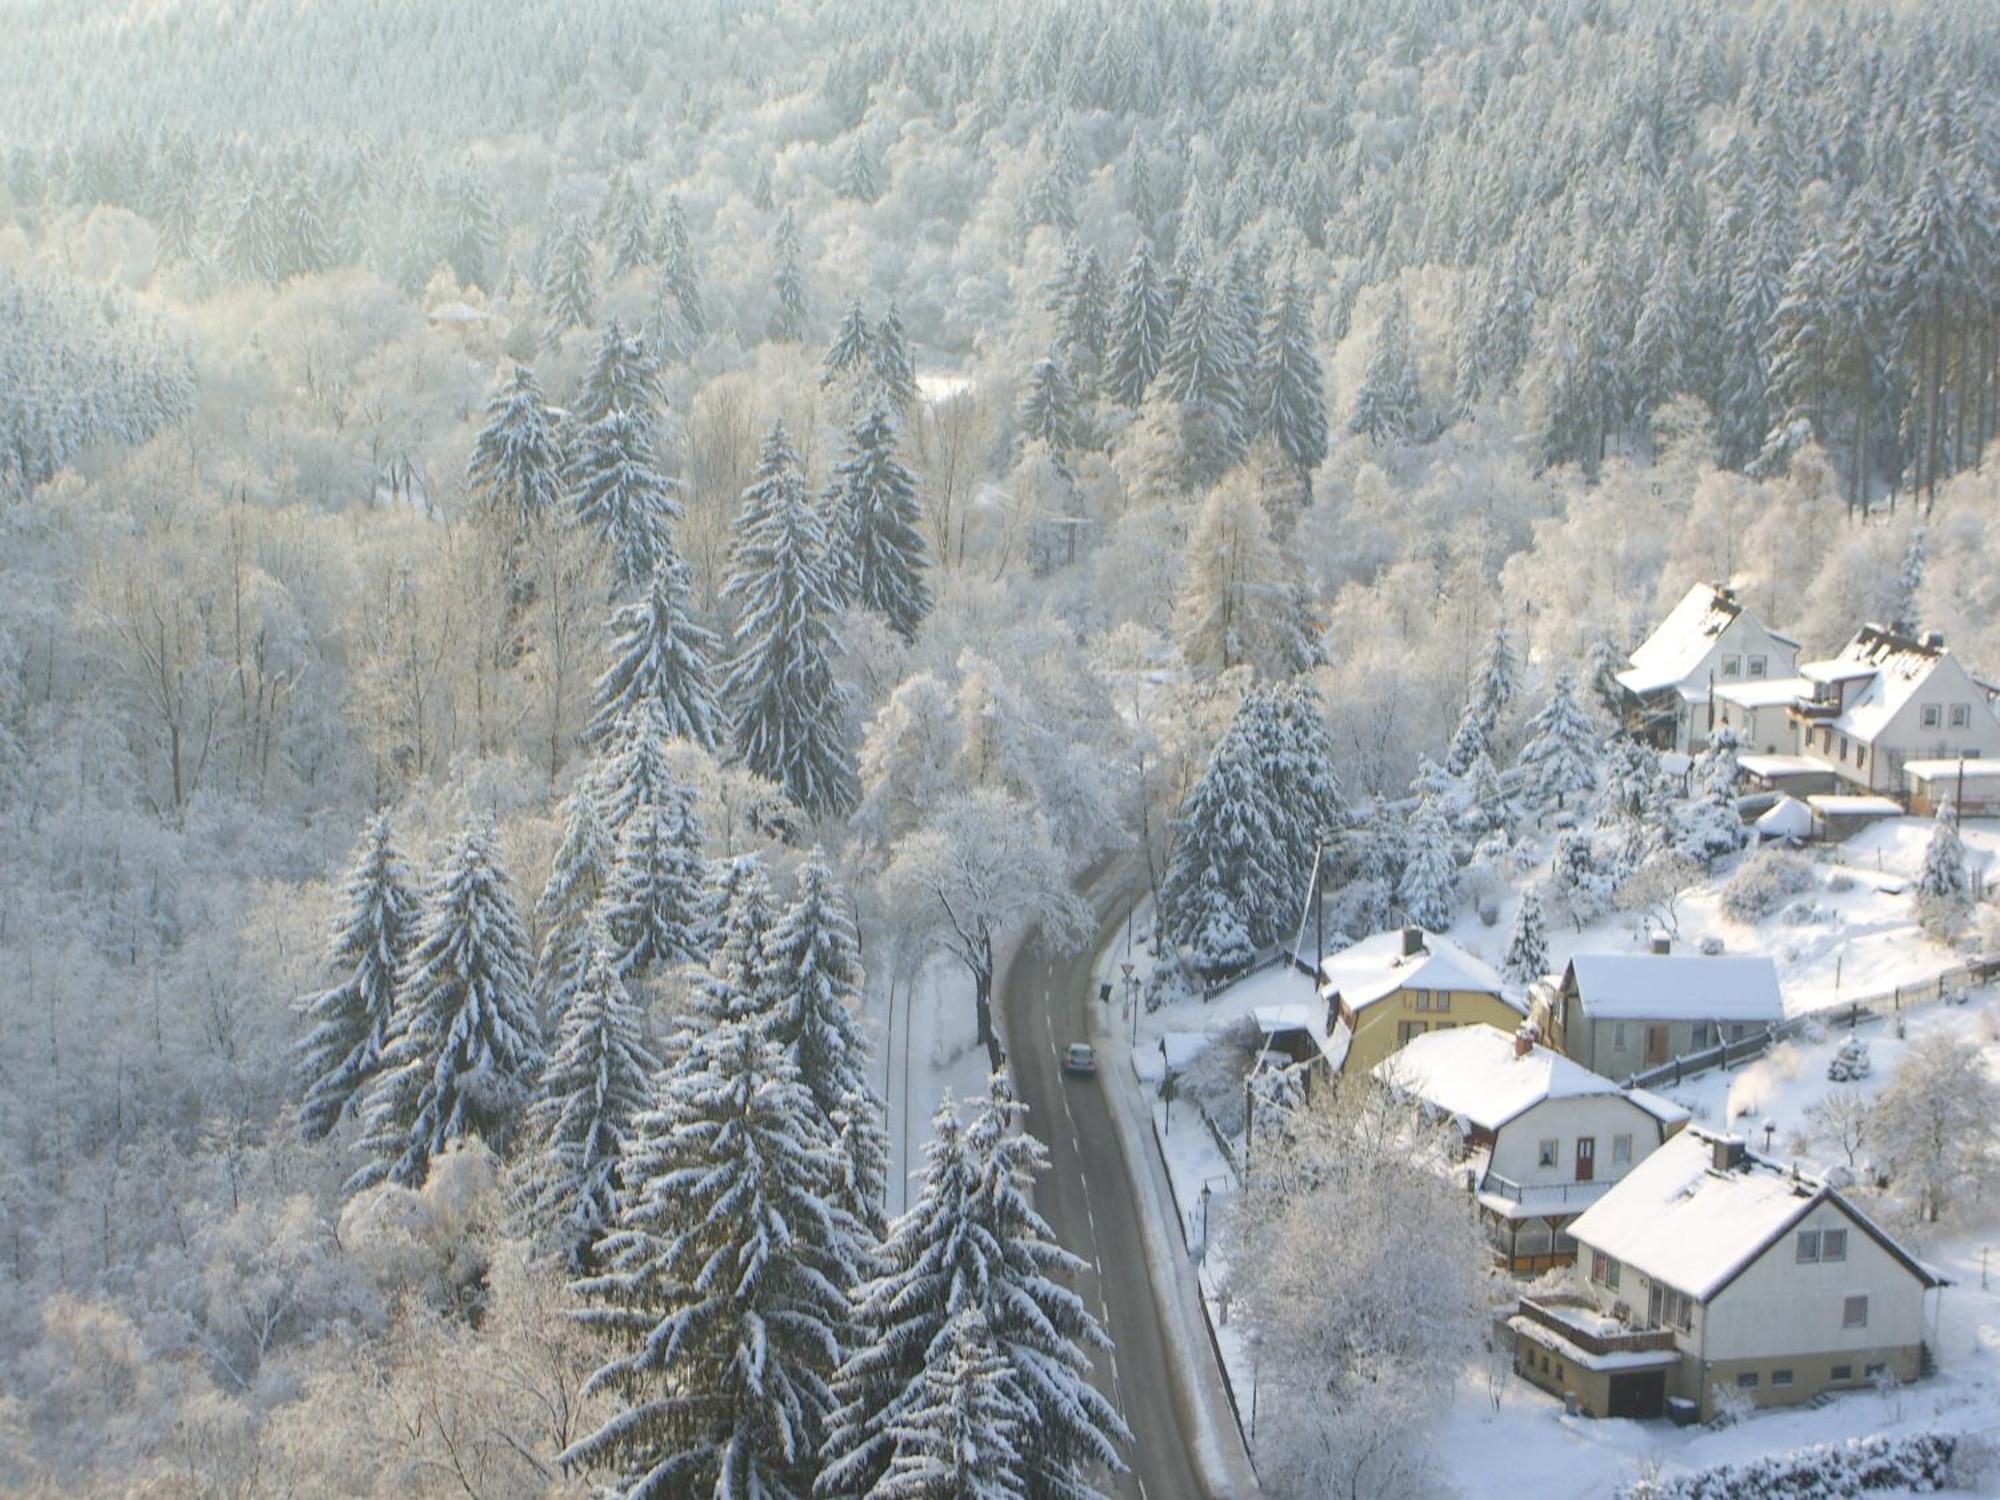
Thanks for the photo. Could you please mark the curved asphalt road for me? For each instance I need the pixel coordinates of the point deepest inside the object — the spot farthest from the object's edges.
(1088, 1199)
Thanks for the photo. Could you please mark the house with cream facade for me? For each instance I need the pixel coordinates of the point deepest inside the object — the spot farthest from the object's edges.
(1386, 990)
(1888, 699)
(1707, 643)
(1711, 1273)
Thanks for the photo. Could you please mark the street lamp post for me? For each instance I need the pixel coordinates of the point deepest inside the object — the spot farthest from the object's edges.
(1131, 1000)
(1205, 1194)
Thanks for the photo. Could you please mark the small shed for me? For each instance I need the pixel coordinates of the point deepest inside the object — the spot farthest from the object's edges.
(1793, 775)
(1970, 785)
(1840, 816)
(1788, 818)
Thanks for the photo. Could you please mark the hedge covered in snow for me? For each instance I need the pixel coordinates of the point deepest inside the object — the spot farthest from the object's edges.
(1826, 1471)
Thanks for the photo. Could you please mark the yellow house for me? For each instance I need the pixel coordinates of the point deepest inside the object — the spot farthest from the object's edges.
(1394, 986)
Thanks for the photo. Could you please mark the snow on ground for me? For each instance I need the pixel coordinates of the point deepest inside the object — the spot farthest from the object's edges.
(927, 1041)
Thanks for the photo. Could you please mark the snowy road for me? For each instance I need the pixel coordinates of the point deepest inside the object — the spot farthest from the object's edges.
(1088, 1198)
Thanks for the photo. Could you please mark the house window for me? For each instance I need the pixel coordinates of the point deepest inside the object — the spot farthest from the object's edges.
(1808, 1247)
(1860, 756)
(1781, 1380)
(1621, 1148)
(1431, 999)
(1930, 716)
(1405, 1030)
(1700, 1035)
(1618, 1043)
(1854, 1313)
(1961, 716)
(1833, 1244)
(1747, 1381)
(1757, 666)
(1600, 1267)
(1842, 1372)
(1667, 1308)
(1732, 666)
(1547, 1154)
(1843, 747)
(1735, 1033)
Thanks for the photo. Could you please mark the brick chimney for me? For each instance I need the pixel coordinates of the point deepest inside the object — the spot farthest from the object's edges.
(1525, 1036)
(1413, 941)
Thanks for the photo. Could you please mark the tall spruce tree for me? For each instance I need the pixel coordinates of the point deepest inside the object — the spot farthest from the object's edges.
(338, 1058)
(1528, 949)
(876, 509)
(653, 905)
(660, 652)
(617, 488)
(578, 877)
(1561, 755)
(789, 722)
(894, 365)
(847, 356)
(791, 317)
(1389, 406)
(721, 1293)
(1204, 364)
(961, 1438)
(1139, 328)
(680, 274)
(466, 1049)
(517, 460)
(1049, 409)
(597, 1083)
(569, 279)
(623, 376)
(1290, 385)
(634, 772)
(1430, 872)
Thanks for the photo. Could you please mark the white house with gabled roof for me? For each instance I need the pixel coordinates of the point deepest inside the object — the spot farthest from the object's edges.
(1710, 1270)
(1887, 699)
(1544, 1137)
(1707, 642)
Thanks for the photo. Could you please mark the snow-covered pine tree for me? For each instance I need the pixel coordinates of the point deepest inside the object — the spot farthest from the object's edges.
(812, 958)
(517, 460)
(370, 937)
(1389, 405)
(623, 376)
(634, 772)
(1468, 742)
(1709, 826)
(1528, 950)
(1944, 886)
(597, 1083)
(569, 279)
(860, 177)
(628, 230)
(615, 483)
(1204, 366)
(652, 907)
(791, 318)
(876, 502)
(1496, 685)
(1083, 317)
(679, 273)
(961, 1438)
(1429, 885)
(848, 355)
(465, 1050)
(972, 1240)
(662, 653)
(1561, 755)
(789, 723)
(1290, 401)
(578, 876)
(894, 365)
(1049, 407)
(721, 1292)
(1139, 329)
(739, 915)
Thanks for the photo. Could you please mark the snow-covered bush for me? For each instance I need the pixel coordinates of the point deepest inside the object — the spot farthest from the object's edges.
(1920, 1463)
(1850, 1061)
(1762, 882)
(1808, 914)
(1213, 1081)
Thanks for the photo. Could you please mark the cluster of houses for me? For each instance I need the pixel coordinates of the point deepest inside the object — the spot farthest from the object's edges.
(1891, 721)
(1701, 1269)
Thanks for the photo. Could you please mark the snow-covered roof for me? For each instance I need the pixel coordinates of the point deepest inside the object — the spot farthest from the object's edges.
(1898, 665)
(1688, 986)
(1681, 641)
(1947, 769)
(1180, 1048)
(1677, 1219)
(1853, 805)
(1776, 767)
(1788, 818)
(1272, 1019)
(1376, 967)
(1473, 1071)
(1764, 692)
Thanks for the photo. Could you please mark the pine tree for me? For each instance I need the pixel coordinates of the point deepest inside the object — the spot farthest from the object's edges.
(569, 279)
(597, 1083)
(517, 460)
(370, 937)
(876, 509)
(790, 725)
(634, 773)
(1497, 683)
(653, 903)
(617, 488)
(972, 1241)
(1139, 329)
(1528, 950)
(1080, 302)
(790, 316)
(848, 354)
(628, 228)
(961, 1437)
(578, 877)
(738, 915)
(1203, 366)
(1389, 405)
(1561, 754)
(894, 365)
(860, 177)
(722, 1288)
(1291, 387)
(661, 653)
(679, 272)
(813, 958)
(623, 376)
(465, 1049)
(1049, 409)
(1430, 873)
(1944, 877)
(472, 239)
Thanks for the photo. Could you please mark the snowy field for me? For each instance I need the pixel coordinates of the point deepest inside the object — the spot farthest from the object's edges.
(927, 1041)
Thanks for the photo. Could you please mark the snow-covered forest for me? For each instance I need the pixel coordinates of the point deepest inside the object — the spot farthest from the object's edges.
(571, 576)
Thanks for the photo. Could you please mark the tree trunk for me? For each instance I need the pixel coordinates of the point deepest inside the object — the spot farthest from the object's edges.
(982, 1001)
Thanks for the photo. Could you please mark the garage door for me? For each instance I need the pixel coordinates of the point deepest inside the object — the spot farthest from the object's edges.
(1643, 1393)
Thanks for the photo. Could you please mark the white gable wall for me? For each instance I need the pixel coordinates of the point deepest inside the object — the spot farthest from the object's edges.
(1517, 1147)
(1905, 737)
(1778, 1307)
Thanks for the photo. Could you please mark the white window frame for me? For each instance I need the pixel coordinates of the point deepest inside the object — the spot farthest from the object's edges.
(1732, 665)
(1847, 1310)
(1961, 716)
(1548, 1153)
(1758, 666)
(1621, 1149)
(1832, 1245)
(1805, 1248)
(1933, 716)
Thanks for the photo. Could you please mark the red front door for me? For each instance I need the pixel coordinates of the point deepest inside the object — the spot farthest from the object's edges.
(1586, 1157)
